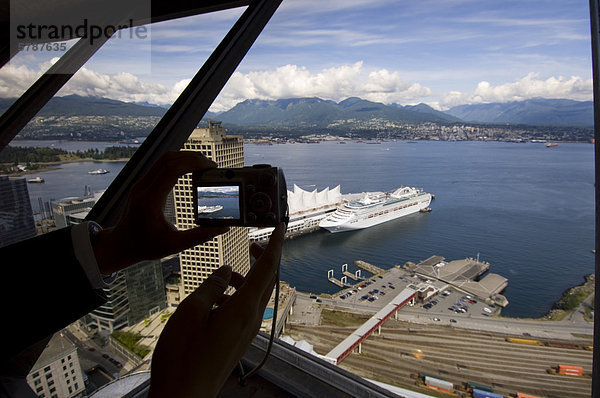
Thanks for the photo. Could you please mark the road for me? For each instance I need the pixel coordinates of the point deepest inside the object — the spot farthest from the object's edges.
(307, 311)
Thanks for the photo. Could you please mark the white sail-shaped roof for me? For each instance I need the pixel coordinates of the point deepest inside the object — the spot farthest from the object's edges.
(294, 202)
(334, 195)
(301, 200)
(322, 197)
(309, 199)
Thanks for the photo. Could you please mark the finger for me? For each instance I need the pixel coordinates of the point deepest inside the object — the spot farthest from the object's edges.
(237, 280)
(208, 293)
(222, 299)
(170, 166)
(256, 250)
(264, 270)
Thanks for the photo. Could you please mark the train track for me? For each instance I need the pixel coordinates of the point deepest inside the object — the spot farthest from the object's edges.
(458, 356)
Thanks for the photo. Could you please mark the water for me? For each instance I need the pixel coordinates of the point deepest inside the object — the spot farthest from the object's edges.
(525, 208)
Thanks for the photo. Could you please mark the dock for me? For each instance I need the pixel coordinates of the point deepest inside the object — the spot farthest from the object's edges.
(369, 267)
(337, 282)
(354, 277)
(350, 275)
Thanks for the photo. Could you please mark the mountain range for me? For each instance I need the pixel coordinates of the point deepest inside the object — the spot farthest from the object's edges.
(321, 113)
(75, 105)
(318, 113)
(537, 111)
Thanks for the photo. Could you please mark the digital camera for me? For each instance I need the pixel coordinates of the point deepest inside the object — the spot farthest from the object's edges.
(253, 196)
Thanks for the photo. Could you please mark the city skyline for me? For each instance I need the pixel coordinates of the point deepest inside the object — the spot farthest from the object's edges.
(440, 54)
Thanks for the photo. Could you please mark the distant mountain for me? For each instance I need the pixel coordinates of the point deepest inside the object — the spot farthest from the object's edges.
(537, 111)
(424, 108)
(75, 105)
(318, 112)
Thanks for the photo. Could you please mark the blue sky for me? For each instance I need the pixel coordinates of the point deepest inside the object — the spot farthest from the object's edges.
(443, 53)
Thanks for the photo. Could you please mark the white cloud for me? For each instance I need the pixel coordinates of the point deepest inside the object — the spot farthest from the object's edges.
(336, 83)
(15, 79)
(288, 81)
(528, 87)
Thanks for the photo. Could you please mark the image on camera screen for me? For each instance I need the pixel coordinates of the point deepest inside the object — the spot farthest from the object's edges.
(219, 202)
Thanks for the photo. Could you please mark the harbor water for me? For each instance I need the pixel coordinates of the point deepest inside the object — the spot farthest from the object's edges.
(525, 208)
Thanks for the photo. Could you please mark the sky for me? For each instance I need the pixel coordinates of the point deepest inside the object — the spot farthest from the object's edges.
(442, 53)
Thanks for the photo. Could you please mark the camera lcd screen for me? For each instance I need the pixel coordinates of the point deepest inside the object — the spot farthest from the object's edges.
(219, 202)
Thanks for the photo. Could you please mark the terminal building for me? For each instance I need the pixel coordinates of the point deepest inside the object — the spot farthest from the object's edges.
(464, 275)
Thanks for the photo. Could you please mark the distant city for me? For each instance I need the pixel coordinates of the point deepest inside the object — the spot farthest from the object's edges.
(293, 119)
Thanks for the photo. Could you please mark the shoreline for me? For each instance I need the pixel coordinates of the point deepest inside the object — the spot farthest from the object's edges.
(580, 293)
(51, 166)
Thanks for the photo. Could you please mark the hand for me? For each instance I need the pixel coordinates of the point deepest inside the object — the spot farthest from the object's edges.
(143, 232)
(200, 346)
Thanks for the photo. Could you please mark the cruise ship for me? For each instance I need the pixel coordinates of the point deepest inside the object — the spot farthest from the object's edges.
(374, 208)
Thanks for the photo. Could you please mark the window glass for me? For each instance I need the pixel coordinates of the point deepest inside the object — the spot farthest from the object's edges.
(440, 181)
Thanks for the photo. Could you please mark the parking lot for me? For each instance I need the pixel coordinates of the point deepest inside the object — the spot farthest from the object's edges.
(375, 292)
(458, 305)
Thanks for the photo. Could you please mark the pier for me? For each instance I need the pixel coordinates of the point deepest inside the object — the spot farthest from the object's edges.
(356, 276)
(337, 282)
(369, 267)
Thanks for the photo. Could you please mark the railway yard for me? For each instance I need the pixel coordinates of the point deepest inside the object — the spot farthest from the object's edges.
(404, 350)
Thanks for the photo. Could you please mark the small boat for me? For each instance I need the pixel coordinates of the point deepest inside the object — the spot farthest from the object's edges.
(209, 209)
(425, 210)
(129, 141)
(98, 172)
(551, 145)
(36, 180)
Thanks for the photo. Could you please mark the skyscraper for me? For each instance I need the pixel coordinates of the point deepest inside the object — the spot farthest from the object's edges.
(16, 216)
(137, 291)
(231, 248)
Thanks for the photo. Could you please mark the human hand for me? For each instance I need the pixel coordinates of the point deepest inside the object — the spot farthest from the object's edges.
(143, 232)
(200, 346)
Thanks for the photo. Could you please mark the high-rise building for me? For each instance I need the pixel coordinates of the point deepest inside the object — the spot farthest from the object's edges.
(57, 372)
(16, 216)
(135, 293)
(230, 248)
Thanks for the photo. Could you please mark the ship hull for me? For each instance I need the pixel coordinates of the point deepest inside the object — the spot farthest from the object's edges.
(379, 214)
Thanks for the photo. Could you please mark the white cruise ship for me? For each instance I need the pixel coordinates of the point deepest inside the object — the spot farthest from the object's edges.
(376, 208)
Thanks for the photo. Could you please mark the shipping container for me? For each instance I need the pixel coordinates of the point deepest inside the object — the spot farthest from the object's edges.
(523, 341)
(521, 395)
(558, 344)
(471, 385)
(484, 394)
(439, 384)
(570, 370)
